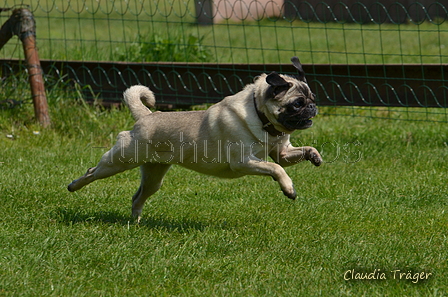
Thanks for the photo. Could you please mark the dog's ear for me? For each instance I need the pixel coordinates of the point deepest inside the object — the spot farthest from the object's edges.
(296, 62)
(277, 83)
(275, 80)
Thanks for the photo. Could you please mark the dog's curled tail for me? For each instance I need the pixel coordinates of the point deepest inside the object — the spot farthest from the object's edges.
(135, 97)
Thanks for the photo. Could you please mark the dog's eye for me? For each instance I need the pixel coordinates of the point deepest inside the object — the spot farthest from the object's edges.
(297, 103)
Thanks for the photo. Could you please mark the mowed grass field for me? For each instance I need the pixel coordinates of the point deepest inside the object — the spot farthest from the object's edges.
(116, 30)
(377, 205)
(375, 209)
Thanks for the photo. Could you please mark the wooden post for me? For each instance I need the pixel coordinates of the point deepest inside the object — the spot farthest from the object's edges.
(22, 24)
(204, 12)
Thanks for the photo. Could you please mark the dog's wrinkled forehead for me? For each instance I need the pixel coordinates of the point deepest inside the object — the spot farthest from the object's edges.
(283, 87)
(298, 86)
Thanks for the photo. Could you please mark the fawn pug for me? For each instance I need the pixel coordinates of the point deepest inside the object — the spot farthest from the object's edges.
(230, 139)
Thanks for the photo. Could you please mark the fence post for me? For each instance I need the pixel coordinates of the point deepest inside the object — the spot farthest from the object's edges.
(22, 24)
(204, 12)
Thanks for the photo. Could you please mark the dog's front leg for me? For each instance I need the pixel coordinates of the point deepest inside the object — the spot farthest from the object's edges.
(260, 167)
(290, 155)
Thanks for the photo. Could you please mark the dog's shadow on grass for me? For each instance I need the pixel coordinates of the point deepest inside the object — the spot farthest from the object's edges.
(70, 217)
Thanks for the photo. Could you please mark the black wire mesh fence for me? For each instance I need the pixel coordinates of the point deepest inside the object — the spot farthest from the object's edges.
(370, 58)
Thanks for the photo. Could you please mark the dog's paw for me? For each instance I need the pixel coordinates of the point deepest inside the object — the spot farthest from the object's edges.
(290, 194)
(137, 215)
(315, 158)
(71, 187)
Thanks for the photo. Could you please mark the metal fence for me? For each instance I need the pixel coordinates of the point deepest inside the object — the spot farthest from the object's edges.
(381, 58)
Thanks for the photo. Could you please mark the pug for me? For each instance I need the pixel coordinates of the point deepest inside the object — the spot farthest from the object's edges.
(231, 139)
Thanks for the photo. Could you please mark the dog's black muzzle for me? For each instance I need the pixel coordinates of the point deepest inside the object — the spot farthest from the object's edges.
(298, 118)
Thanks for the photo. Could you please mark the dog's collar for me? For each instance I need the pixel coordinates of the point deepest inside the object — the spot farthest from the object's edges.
(267, 125)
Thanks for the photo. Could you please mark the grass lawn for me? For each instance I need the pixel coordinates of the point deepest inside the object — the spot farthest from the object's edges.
(110, 30)
(378, 202)
(376, 208)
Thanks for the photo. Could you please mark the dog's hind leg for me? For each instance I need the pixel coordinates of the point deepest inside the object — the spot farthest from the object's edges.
(105, 168)
(152, 179)
(95, 173)
(121, 157)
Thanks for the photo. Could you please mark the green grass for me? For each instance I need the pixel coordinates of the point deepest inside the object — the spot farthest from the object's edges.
(378, 202)
(107, 31)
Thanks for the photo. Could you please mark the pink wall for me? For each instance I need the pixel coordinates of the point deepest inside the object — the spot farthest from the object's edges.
(246, 9)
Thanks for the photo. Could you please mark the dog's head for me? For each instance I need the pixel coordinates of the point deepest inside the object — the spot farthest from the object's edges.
(288, 101)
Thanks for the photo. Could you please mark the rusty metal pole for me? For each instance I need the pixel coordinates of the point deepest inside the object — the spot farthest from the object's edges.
(27, 35)
(22, 24)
